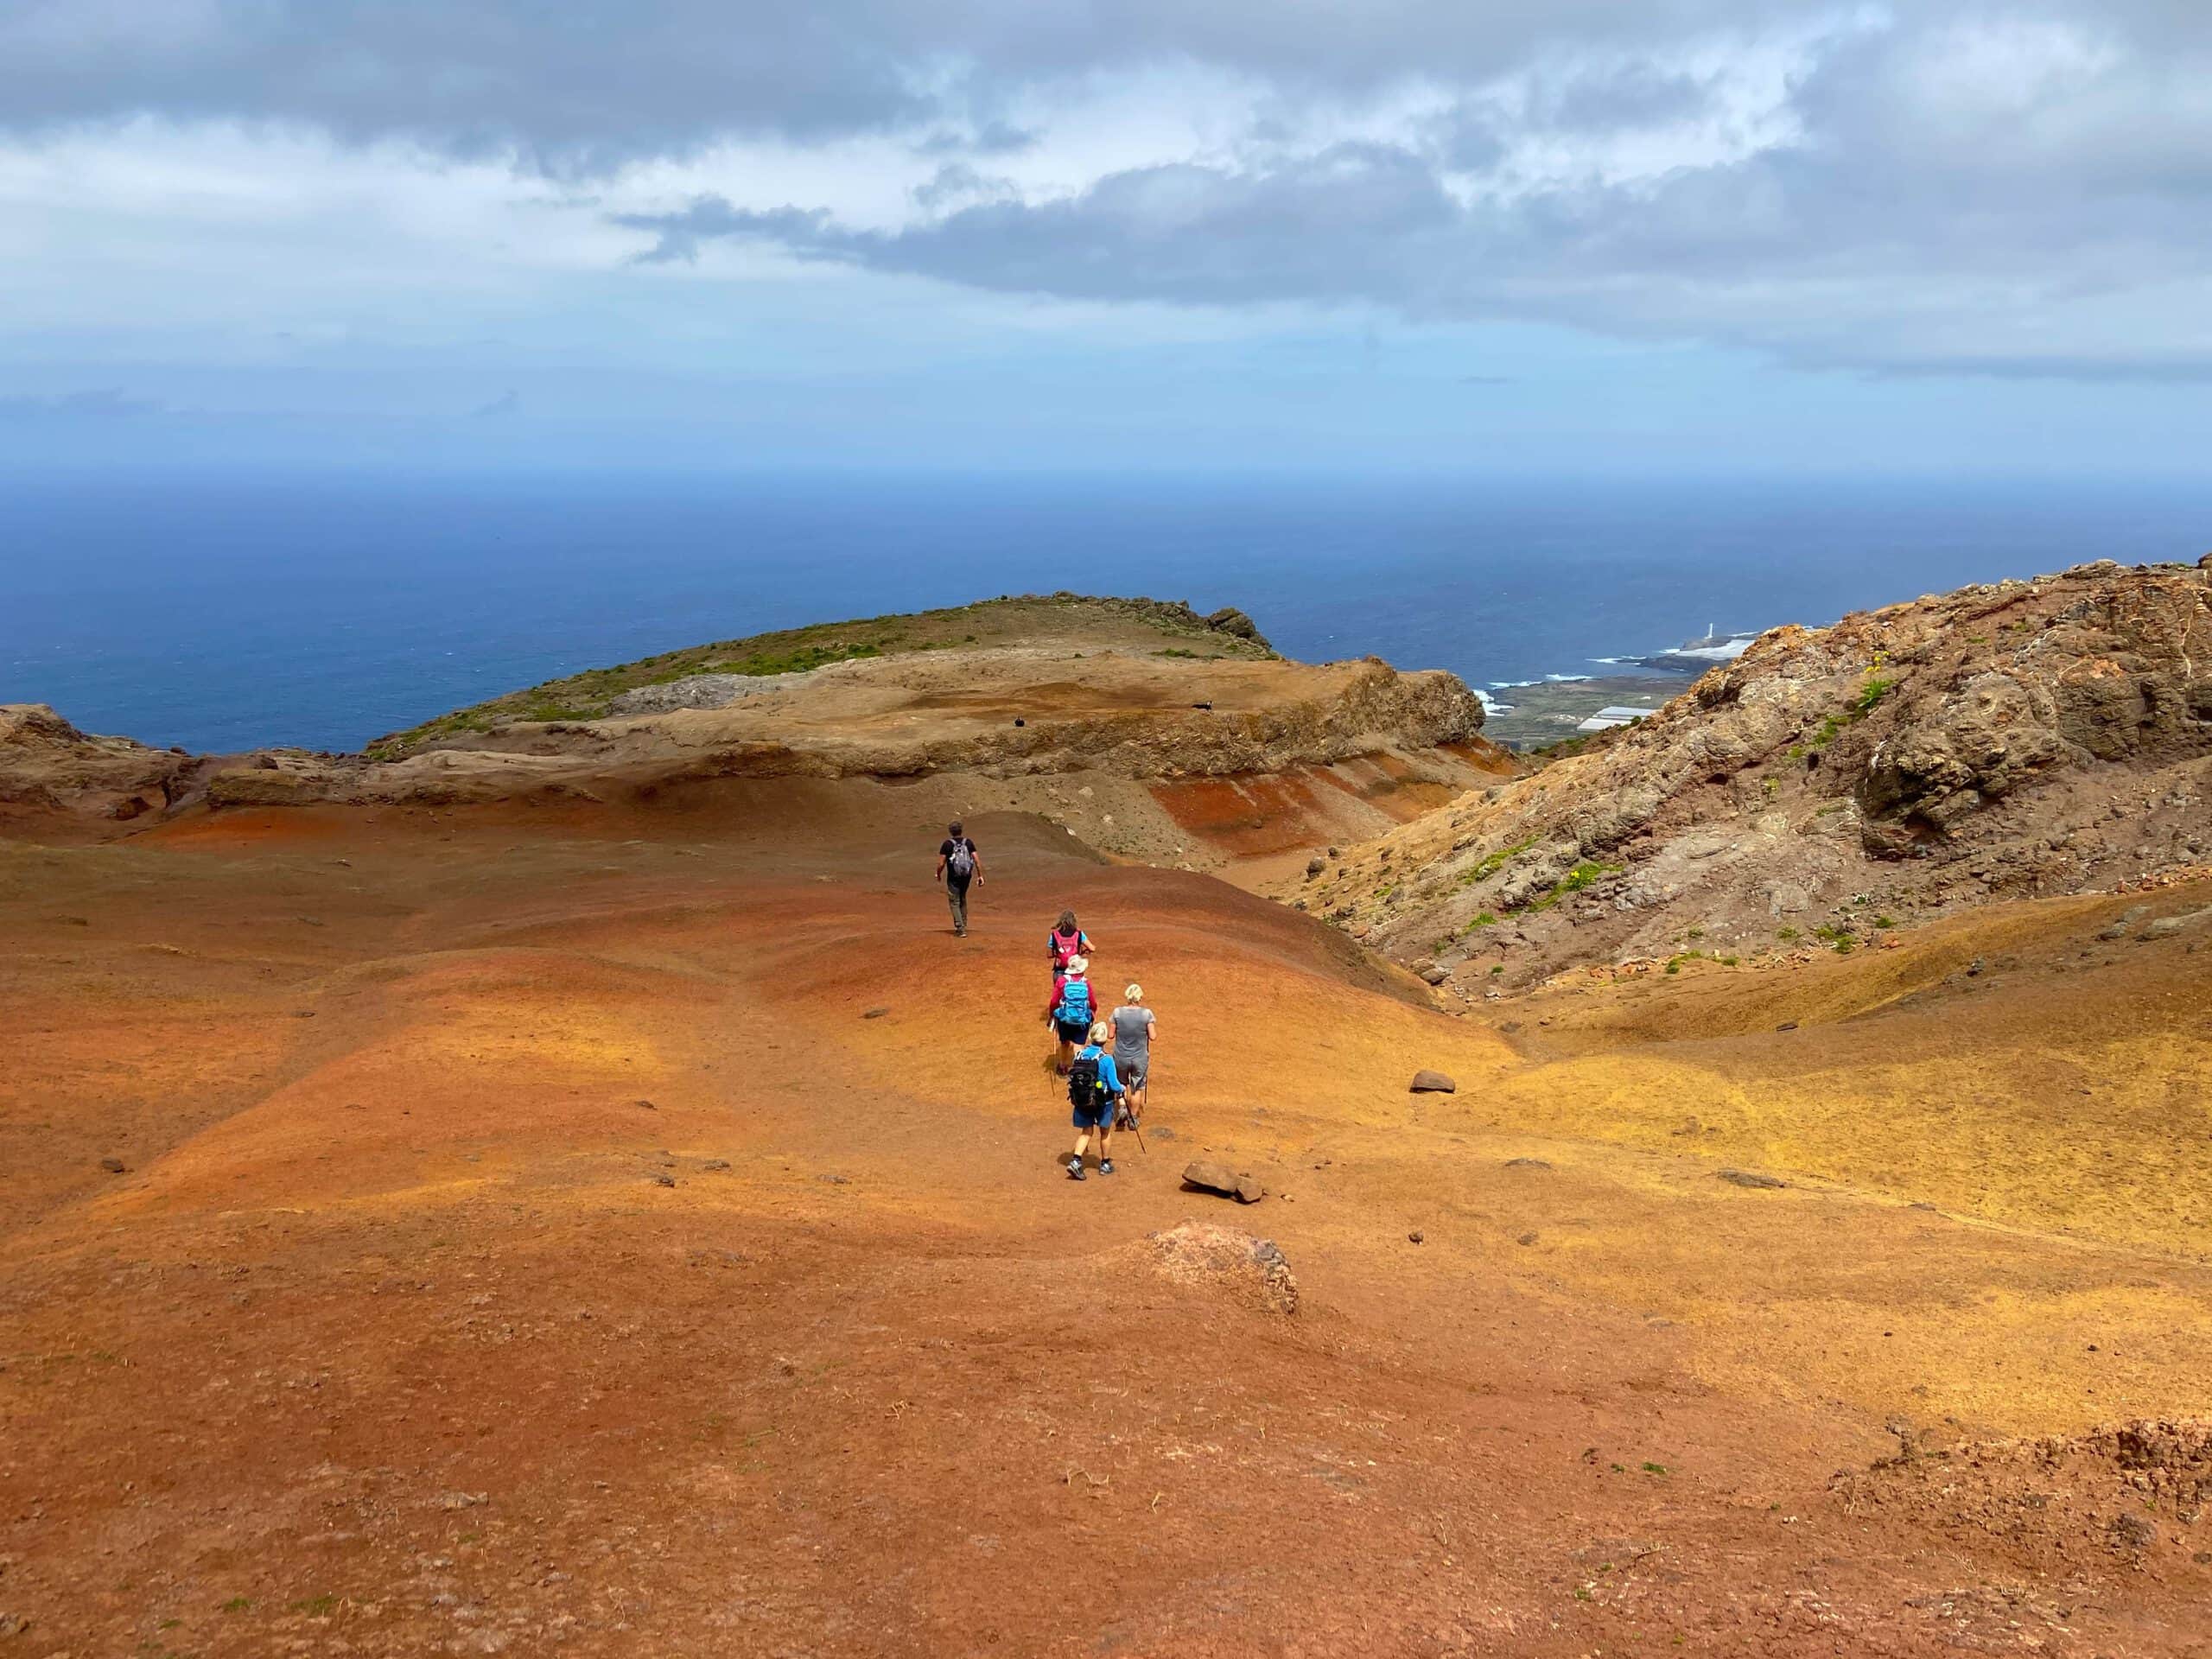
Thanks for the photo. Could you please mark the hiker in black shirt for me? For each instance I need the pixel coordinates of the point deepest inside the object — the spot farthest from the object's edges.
(957, 864)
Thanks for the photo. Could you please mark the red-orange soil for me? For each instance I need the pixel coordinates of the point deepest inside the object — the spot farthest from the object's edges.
(393, 1338)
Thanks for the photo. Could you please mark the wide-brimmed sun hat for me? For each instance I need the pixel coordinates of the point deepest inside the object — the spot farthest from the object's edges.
(1079, 964)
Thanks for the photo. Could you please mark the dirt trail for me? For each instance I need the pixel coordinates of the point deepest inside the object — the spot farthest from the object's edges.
(391, 1334)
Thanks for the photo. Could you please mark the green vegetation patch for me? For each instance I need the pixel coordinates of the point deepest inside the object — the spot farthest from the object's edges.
(1869, 696)
(1491, 863)
(1575, 880)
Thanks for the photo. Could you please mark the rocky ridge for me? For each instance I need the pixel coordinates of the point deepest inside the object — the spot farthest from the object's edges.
(1112, 689)
(2013, 739)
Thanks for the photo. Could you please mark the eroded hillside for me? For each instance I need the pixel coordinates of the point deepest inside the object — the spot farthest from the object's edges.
(1831, 787)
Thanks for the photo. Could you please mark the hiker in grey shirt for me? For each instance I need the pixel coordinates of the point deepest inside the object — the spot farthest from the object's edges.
(1134, 1029)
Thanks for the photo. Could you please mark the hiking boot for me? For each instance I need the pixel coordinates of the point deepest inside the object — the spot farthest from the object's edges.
(1105, 1165)
(1075, 1169)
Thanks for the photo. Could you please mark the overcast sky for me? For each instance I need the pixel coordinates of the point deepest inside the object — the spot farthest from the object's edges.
(1629, 234)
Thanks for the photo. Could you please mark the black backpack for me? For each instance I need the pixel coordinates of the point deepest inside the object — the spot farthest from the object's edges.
(1083, 1082)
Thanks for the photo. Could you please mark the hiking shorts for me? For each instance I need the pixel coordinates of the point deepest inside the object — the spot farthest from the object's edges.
(1098, 1115)
(1132, 1072)
(1073, 1031)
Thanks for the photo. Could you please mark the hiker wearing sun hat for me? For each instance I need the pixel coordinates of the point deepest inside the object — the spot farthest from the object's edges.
(1072, 1009)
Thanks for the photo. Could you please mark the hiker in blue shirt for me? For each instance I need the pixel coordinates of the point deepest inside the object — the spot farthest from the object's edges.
(1072, 1010)
(1095, 1092)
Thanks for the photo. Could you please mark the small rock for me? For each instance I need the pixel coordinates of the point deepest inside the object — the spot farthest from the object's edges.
(1020, 722)
(832, 1180)
(1215, 1178)
(875, 1014)
(1315, 866)
(647, 1104)
(1163, 1133)
(715, 1163)
(1746, 1178)
(663, 1180)
(1436, 976)
(461, 1500)
(113, 1166)
(1526, 1238)
(2164, 928)
(1974, 967)
(1431, 1082)
(1787, 1025)
(1413, 1238)
(1526, 1163)
(2132, 1532)
(2117, 931)
(1333, 852)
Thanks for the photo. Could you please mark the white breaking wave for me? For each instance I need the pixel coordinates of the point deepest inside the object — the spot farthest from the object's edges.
(1727, 653)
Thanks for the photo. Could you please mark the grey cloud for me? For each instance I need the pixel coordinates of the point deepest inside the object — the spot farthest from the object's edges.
(1929, 214)
(1929, 209)
(590, 83)
(956, 181)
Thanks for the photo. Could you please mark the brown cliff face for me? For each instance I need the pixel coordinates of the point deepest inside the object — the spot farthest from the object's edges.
(2019, 738)
(47, 766)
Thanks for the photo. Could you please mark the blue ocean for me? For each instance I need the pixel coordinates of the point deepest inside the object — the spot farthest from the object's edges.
(222, 611)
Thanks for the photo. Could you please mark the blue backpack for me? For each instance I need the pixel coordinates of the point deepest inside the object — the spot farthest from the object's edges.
(1075, 1003)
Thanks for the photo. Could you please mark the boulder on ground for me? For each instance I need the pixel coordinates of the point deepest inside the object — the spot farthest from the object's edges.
(1432, 1083)
(1253, 1270)
(1746, 1178)
(1218, 1177)
(1436, 974)
(1228, 620)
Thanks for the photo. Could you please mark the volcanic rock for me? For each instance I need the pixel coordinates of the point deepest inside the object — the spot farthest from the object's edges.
(2014, 739)
(1217, 1178)
(1431, 1082)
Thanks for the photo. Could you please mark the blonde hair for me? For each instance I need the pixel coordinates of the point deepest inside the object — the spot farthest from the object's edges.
(1100, 1033)
(1133, 993)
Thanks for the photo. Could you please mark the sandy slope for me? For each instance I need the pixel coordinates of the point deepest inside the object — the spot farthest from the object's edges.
(390, 1335)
